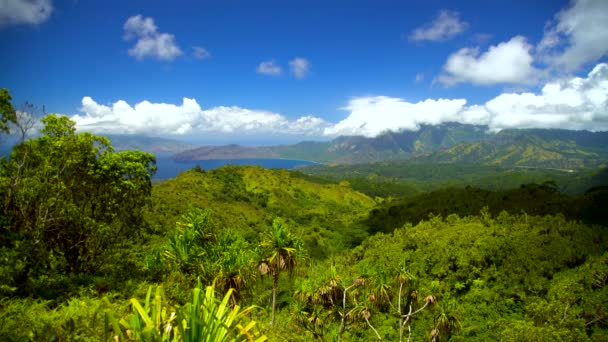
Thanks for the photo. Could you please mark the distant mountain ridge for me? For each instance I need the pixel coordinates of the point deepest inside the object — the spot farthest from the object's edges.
(351, 149)
(155, 145)
(547, 148)
(449, 142)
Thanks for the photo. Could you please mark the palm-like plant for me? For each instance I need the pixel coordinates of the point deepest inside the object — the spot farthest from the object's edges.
(313, 318)
(380, 291)
(232, 264)
(281, 251)
(203, 319)
(446, 323)
(149, 322)
(331, 291)
(185, 247)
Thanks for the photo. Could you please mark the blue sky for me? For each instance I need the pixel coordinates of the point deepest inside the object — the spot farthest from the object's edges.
(234, 71)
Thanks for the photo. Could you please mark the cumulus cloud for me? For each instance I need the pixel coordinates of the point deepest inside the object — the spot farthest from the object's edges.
(200, 52)
(373, 115)
(573, 103)
(576, 103)
(269, 68)
(13, 12)
(149, 42)
(188, 118)
(576, 36)
(507, 62)
(299, 67)
(446, 25)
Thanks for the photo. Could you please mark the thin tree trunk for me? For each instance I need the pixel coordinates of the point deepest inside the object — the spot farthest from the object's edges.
(409, 325)
(370, 325)
(342, 321)
(275, 285)
(417, 311)
(400, 317)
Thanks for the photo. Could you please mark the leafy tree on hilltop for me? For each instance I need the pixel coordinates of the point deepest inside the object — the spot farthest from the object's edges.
(7, 111)
(69, 202)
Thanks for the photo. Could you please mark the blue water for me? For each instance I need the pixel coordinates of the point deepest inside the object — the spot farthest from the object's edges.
(168, 168)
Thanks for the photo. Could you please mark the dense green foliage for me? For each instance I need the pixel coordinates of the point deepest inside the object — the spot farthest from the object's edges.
(91, 250)
(407, 178)
(516, 277)
(532, 199)
(70, 205)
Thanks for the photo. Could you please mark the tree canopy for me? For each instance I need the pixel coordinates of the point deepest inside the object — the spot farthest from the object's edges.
(7, 111)
(70, 200)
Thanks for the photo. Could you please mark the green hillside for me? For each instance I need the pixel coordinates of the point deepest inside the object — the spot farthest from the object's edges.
(246, 199)
(559, 155)
(411, 177)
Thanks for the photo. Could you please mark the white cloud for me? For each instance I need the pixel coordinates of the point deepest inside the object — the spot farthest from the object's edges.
(150, 43)
(576, 103)
(419, 77)
(507, 62)
(13, 12)
(446, 25)
(578, 35)
(299, 67)
(188, 118)
(370, 116)
(200, 52)
(269, 68)
(573, 103)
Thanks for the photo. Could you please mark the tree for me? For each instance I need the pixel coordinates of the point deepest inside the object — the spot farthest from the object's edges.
(7, 111)
(281, 250)
(26, 120)
(68, 195)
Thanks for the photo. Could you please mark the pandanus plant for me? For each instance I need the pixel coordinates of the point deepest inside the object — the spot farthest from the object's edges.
(446, 323)
(281, 250)
(186, 246)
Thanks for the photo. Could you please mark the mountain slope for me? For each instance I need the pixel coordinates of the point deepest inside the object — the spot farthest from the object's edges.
(450, 142)
(531, 148)
(351, 149)
(122, 142)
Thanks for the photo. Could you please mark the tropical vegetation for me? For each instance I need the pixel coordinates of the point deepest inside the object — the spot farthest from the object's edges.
(91, 249)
